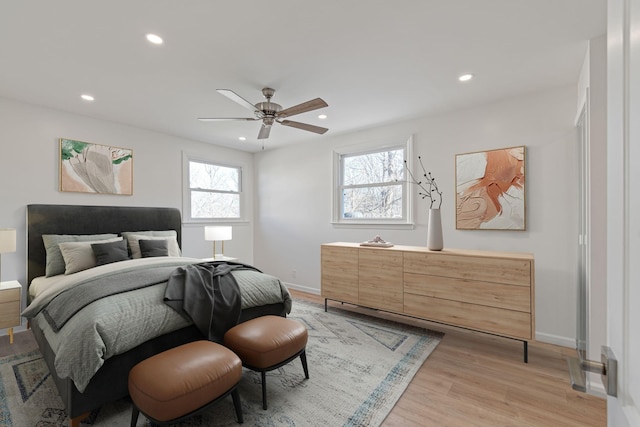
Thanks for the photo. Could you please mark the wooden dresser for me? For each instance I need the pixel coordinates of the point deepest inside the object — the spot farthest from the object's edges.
(486, 291)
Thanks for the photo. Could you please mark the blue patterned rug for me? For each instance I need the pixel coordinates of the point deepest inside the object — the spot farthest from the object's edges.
(358, 366)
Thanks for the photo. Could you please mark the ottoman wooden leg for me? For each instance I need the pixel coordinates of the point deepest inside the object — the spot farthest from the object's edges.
(134, 416)
(236, 404)
(303, 359)
(264, 390)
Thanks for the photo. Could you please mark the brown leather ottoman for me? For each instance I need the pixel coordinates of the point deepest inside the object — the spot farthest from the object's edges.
(267, 343)
(182, 381)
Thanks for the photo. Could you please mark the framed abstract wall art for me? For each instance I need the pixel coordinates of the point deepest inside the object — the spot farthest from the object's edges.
(490, 190)
(95, 168)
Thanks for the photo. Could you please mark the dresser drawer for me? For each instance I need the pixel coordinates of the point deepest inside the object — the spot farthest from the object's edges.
(9, 314)
(380, 279)
(339, 267)
(507, 323)
(8, 295)
(489, 294)
(485, 269)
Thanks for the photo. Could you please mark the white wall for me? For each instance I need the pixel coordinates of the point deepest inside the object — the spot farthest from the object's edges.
(293, 201)
(29, 174)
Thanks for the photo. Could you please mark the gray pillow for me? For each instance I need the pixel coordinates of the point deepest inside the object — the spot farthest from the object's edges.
(55, 263)
(151, 248)
(106, 253)
(79, 256)
(133, 237)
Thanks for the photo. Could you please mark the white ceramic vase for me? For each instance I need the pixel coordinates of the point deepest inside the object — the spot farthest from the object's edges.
(434, 231)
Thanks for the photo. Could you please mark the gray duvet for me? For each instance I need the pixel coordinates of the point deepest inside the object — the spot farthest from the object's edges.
(116, 323)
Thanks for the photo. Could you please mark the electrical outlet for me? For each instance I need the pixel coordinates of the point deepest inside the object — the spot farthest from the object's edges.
(293, 273)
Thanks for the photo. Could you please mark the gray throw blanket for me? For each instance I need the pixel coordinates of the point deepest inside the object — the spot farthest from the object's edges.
(66, 304)
(208, 295)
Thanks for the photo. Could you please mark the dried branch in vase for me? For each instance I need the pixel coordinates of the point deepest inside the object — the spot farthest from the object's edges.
(428, 186)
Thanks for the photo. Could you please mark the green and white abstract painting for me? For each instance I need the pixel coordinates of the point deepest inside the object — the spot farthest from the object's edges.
(95, 168)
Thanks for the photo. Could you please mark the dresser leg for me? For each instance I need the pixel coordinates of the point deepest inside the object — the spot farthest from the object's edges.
(10, 335)
(325, 305)
(526, 351)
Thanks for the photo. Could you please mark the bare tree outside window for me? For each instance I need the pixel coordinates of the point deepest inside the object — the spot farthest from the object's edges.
(215, 190)
(372, 185)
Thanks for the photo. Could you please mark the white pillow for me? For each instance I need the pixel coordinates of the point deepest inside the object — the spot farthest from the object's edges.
(79, 256)
(134, 243)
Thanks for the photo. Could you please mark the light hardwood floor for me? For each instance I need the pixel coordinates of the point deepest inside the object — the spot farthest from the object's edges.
(474, 379)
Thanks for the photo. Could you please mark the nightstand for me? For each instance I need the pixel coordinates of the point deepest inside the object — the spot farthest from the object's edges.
(10, 306)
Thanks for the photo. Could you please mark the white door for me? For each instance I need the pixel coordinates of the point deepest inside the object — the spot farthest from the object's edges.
(623, 207)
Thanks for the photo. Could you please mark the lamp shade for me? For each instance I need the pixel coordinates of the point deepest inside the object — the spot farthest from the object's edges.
(217, 233)
(7, 240)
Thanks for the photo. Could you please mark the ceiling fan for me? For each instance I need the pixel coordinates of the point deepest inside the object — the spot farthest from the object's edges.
(270, 112)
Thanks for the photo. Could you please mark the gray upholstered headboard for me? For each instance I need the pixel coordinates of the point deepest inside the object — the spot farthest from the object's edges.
(73, 219)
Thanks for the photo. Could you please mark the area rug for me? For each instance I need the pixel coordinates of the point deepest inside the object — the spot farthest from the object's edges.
(359, 366)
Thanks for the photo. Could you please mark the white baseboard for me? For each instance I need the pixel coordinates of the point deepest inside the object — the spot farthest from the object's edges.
(556, 340)
(301, 288)
(595, 386)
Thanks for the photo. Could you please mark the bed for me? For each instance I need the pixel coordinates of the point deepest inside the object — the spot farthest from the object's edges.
(109, 383)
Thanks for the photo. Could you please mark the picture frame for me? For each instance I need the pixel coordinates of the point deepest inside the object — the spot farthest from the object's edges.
(490, 190)
(86, 167)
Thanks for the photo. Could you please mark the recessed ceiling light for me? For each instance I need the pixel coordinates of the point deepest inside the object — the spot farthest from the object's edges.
(465, 77)
(242, 138)
(322, 116)
(154, 39)
(87, 97)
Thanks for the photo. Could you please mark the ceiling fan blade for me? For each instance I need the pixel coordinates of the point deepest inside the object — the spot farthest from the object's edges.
(222, 119)
(264, 132)
(304, 126)
(314, 104)
(237, 98)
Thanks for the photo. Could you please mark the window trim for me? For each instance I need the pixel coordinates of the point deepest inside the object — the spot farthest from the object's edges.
(186, 191)
(405, 143)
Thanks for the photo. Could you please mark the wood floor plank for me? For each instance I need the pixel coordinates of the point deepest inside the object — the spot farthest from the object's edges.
(474, 379)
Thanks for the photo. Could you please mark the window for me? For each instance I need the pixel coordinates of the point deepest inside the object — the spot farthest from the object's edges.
(371, 185)
(214, 190)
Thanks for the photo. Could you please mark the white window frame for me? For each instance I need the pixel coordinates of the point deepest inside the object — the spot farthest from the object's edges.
(407, 195)
(186, 190)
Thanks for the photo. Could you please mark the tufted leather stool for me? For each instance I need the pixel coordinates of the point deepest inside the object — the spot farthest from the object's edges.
(267, 343)
(180, 382)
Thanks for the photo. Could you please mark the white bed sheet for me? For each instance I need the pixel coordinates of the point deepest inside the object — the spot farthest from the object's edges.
(40, 284)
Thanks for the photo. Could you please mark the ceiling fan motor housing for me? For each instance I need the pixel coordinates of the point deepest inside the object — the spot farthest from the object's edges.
(269, 108)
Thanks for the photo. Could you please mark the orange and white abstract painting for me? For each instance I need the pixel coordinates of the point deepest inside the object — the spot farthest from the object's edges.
(95, 168)
(490, 190)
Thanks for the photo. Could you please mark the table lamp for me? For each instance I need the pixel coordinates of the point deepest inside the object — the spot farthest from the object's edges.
(7, 243)
(214, 233)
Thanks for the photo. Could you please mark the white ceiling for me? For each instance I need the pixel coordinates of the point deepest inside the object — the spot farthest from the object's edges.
(372, 61)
